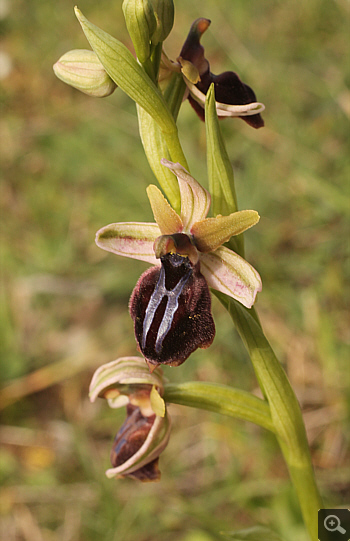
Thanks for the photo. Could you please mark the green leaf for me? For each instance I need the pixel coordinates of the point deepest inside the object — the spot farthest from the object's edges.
(220, 172)
(122, 67)
(220, 399)
(256, 533)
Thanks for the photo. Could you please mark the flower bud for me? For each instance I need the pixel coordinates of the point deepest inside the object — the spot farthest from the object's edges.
(164, 14)
(82, 69)
(141, 24)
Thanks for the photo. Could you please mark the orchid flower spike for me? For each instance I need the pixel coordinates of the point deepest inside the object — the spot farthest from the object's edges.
(146, 430)
(233, 97)
(171, 304)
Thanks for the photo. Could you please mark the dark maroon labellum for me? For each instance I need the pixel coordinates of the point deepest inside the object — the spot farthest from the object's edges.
(129, 440)
(171, 310)
(229, 89)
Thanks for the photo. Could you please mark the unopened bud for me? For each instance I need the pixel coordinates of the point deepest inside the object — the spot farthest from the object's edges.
(141, 24)
(82, 69)
(164, 13)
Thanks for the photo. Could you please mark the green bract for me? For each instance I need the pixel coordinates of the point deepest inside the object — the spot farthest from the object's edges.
(122, 67)
(156, 148)
(220, 172)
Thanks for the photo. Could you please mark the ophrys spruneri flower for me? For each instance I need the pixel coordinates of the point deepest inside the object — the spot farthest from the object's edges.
(170, 304)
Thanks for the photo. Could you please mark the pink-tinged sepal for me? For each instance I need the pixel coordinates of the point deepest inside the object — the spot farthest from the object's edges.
(229, 273)
(171, 310)
(129, 239)
(145, 433)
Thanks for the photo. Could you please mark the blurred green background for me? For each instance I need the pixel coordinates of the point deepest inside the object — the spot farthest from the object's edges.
(71, 164)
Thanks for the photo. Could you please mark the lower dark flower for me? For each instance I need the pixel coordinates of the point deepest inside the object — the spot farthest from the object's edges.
(146, 430)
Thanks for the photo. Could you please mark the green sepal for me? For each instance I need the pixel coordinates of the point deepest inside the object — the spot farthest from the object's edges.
(122, 67)
(157, 402)
(220, 172)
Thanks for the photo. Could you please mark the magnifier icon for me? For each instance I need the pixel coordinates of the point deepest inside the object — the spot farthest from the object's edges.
(332, 524)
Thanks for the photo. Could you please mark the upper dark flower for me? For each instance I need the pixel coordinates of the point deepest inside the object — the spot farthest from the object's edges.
(233, 97)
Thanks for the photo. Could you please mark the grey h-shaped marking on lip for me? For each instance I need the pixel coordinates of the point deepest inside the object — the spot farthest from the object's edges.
(160, 291)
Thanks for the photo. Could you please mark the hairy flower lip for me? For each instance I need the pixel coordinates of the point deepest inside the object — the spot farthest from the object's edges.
(171, 310)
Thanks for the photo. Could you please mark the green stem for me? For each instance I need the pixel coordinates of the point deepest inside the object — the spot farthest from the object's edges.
(151, 65)
(155, 58)
(221, 399)
(285, 410)
(149, 69)
(173, 143)
(174, 93)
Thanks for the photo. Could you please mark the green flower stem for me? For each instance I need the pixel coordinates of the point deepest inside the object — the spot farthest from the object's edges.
(221, 399)
(285, 410)
(284, 407)
(151, 65)
(149, 69)
(155, 58)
